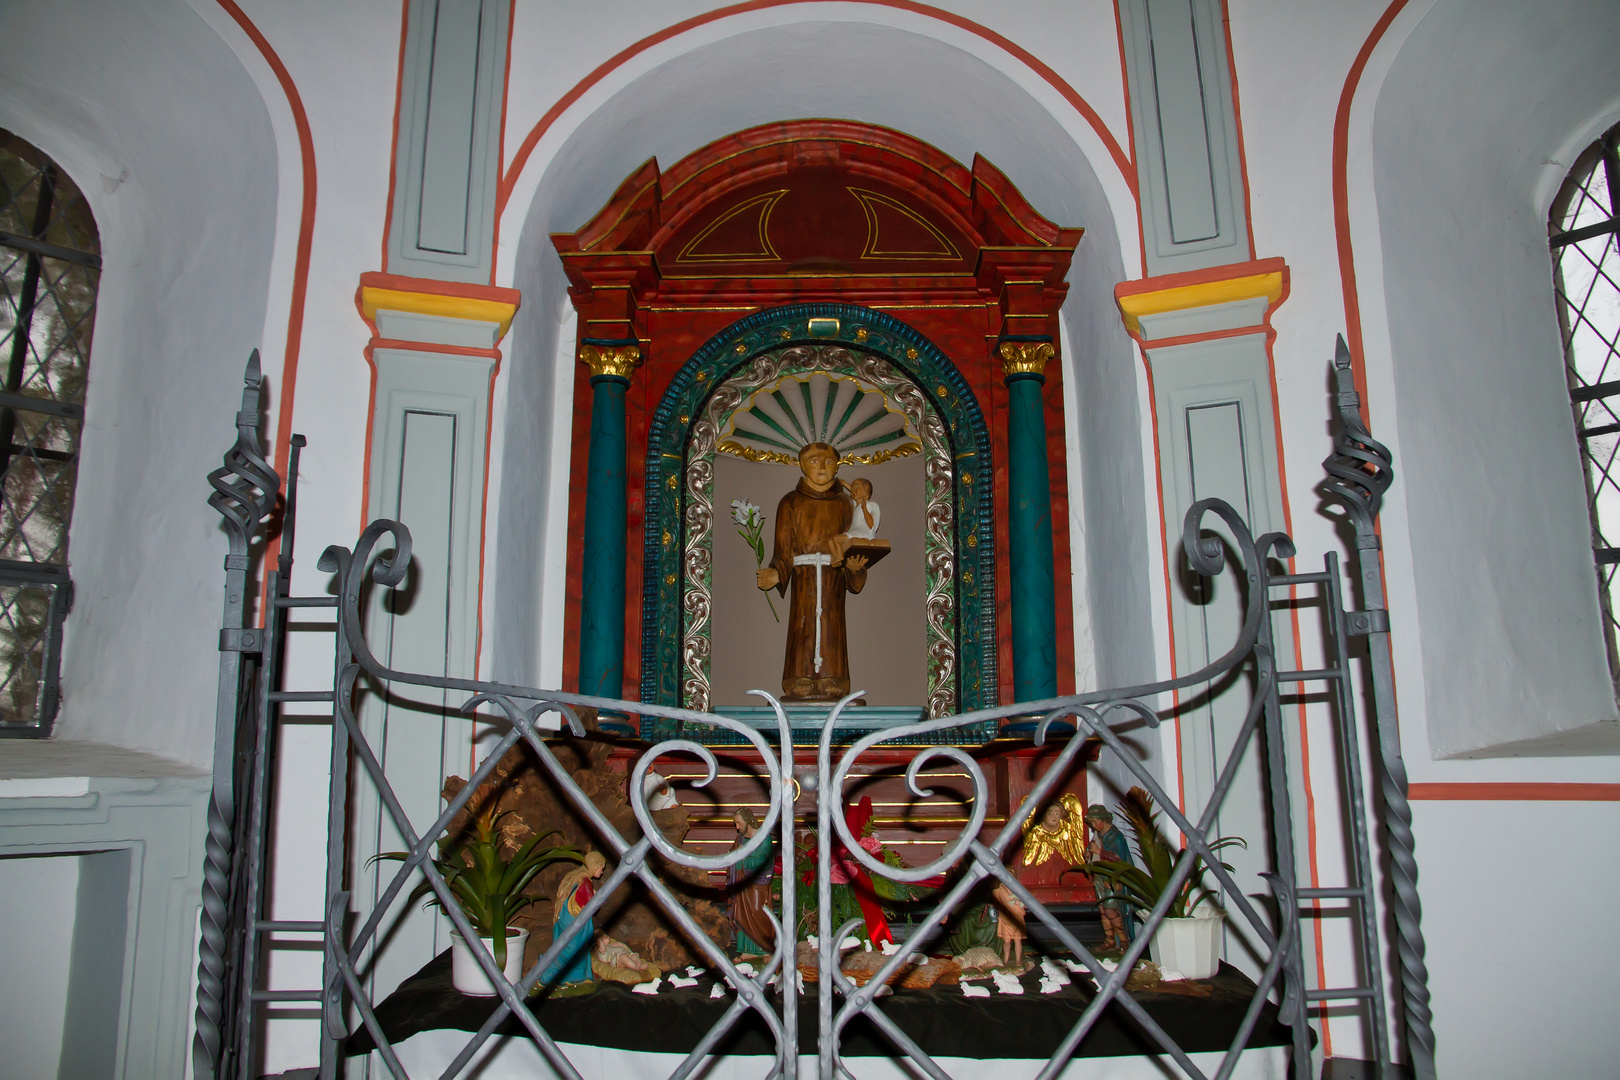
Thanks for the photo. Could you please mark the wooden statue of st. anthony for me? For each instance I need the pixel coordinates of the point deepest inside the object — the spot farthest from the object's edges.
(812, 526)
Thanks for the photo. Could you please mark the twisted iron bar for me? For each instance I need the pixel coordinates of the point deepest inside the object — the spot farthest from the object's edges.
(245, 490)
(1360, 470)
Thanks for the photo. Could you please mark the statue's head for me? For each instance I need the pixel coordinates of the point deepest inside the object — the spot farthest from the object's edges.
(819, 463)
(860, 489)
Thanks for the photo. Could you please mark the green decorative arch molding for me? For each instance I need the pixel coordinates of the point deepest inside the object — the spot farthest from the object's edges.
(858, 330)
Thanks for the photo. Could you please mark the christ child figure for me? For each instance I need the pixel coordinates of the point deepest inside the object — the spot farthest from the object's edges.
(807, 563)
(867, 513)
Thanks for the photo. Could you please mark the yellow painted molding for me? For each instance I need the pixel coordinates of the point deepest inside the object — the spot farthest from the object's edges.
(373, 299)
(1202, 294)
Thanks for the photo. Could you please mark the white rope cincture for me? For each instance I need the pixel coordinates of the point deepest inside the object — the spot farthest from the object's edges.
(817, 561)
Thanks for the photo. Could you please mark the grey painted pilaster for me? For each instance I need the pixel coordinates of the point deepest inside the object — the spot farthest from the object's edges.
(1185, 124)
(139, 843)
(446, 167)
(427, 470)
(1218, 439)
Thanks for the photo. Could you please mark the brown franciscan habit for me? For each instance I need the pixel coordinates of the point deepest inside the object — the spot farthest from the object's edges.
(806, 523)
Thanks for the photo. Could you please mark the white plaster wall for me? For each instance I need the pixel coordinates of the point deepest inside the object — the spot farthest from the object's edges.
(36, 940)
(1079, 42)
(1500, 542)
(528, 530)
(343, 60)
(1292, 63)
(178, 163)
(1521, 963)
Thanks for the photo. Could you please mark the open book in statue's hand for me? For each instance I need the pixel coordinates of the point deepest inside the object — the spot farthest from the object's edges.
(870, 550)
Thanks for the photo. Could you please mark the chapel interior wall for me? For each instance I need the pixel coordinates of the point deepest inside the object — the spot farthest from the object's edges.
(1487, 456)
(186, 209)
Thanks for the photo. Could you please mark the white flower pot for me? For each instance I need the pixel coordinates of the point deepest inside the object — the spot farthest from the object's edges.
(466, 974)
(1190, 946)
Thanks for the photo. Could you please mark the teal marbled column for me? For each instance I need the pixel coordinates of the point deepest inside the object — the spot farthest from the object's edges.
(1029, 525)
(601, 606)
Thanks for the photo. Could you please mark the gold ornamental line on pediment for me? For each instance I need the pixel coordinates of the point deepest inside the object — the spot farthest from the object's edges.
(616, 360)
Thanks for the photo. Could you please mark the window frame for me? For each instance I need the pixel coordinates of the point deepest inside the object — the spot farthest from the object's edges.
(1603, 153)
(52, 211)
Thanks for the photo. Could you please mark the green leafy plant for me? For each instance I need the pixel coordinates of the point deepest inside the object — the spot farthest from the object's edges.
(488, 886)
(1144, 885)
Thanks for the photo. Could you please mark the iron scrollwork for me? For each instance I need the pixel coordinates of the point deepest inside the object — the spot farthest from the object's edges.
(1095, 715)
(522, 708)
(967, 860)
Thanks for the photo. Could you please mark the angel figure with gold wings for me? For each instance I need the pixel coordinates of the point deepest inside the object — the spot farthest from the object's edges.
(1062, 832)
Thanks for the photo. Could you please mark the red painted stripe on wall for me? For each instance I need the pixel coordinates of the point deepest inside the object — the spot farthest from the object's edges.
(1341, 199)
(1489, 792)
(306, 230)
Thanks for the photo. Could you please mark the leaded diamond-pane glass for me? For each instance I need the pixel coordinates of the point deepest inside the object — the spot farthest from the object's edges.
(49, 268)
(1586, 275)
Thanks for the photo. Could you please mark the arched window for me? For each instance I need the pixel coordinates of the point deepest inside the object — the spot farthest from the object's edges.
(1584, 225)
(50, 264)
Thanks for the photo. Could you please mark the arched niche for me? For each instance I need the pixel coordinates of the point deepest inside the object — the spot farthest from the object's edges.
(682, 520)
(918, 77)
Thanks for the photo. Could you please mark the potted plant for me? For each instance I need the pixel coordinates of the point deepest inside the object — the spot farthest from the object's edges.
(1186, 941)
(489, 888)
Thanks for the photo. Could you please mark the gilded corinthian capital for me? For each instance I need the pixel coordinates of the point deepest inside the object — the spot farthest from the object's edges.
(616, 360)
(1025, 357)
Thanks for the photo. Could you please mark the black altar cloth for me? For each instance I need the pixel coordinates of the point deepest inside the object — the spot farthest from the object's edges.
(943, 1021)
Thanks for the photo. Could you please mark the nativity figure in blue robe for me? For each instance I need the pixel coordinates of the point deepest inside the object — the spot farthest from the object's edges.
(573, 964)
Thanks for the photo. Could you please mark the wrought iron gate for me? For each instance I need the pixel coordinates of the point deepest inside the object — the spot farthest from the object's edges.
(250, 694)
